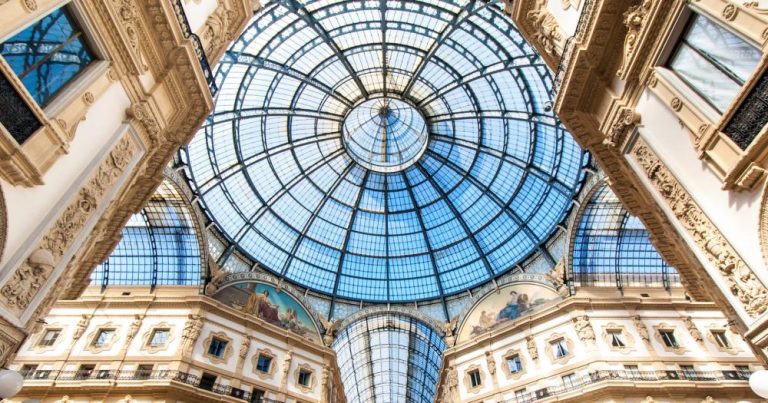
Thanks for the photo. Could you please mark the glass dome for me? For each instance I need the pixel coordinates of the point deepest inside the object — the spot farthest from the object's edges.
(387, 150)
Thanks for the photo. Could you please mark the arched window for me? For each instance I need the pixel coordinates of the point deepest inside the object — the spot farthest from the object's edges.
(611, 248)
(160, 245)
(389, 358)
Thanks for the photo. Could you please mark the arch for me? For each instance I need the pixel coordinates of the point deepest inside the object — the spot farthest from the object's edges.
(161, 245)
(390, 355)
(271, 303)
(609, 247)
(503, 304)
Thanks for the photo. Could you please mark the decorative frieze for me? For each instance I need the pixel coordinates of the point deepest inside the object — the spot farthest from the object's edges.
(635, 19)
(740, 279)
(22, 287)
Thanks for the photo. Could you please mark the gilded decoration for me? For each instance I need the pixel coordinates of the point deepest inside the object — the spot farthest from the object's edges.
(523, 364)
(146, 338)
(35, 271)
(228, 350)
(626, 338)
(679, 349)
(741, 282)
(312, 381)
(107, 345)
(550, 350)
(468, 382)
(270, 374)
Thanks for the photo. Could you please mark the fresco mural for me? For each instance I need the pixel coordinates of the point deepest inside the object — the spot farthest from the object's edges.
(498, 308)
(277, 308)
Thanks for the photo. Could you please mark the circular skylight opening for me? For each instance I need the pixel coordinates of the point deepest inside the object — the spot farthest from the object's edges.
(385, 135)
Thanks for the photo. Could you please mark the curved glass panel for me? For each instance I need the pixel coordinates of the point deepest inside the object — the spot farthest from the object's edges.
(612, 248)
(159, 246)
(276, 174)
(389, 358)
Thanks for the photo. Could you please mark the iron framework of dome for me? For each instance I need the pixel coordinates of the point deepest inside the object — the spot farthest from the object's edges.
(314, 164)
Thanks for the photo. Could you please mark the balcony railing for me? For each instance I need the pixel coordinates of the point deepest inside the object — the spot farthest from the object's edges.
(126, 378)
(181, 16)
(578, 383)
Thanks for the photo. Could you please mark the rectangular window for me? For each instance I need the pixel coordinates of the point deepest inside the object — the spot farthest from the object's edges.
(559, 348)
(159, 337)
(49, 337)
(85, 371)
(264, 363)
(217, 347)
(514, 364)
(305, 377)
(28, 370)
(48, 55)
(144, 371)
(713, 61)
(103, 337)
(520, 396)
(104, 374)
(569, 381)
(668, 337)
(721, 339)
(616, 338)
(474, 378)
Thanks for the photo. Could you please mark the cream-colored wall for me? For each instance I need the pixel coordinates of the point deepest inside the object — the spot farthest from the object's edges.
(544, 372)
(198, 12)
(566, 18)
(736, 214)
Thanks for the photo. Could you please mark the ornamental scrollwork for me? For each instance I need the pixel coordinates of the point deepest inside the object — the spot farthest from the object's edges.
(35, 271)
(635, 19)
(741, 281)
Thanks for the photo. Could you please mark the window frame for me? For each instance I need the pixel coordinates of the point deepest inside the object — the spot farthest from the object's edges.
(42, 342)
(227, 349)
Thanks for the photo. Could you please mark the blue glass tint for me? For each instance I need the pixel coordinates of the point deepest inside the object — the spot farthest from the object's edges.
(160, 246)
(389, 358)
(48, 54)
(388, 209)
(611, 248)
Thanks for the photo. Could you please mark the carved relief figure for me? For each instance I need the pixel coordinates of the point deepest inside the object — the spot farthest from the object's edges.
(330, 330)
(532, 350)
(244, 346)
(642, 330)
(82, 324)
(584, 329)
(192, 330)
(451, 384)
(693, 330)
(547, 31)
(134, 328)
(448, 331)
(491, 362)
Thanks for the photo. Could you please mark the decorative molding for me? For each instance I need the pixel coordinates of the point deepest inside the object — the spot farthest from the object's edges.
(741, 282)
(693, 330)
(551, 353)
(468, 382)
(680, 349)
(39, 348)
(35, 271)
(546, 29)
(629, 341)
(642, 330)
(192, 329)
(626, 119)
(731, 336)
(270, 374)
(523, 362)
(228, 350)
(95, 333)
(312, 378)
(146, 338)
(584, 330)
(635, 19)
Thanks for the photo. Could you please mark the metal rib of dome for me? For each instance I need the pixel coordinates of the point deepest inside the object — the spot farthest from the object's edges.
(497, 175)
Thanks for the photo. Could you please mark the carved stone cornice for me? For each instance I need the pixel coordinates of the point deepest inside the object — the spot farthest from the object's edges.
(23, 285)
(741, 281)
(624, 121)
